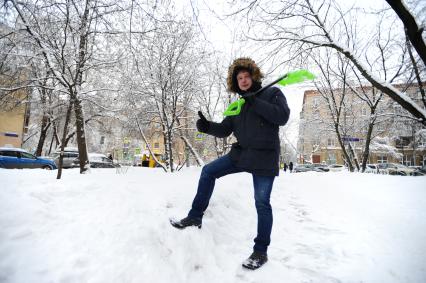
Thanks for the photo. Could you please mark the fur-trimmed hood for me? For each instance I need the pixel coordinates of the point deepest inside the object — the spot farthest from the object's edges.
(243, 63)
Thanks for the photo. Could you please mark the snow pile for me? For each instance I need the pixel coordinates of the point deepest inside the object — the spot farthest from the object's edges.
(106, 227)
(383, 145)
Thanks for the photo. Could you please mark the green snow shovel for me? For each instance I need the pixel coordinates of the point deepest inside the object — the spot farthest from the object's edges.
(290, 78)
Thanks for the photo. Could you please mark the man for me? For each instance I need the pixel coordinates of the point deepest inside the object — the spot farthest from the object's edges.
(256, 151)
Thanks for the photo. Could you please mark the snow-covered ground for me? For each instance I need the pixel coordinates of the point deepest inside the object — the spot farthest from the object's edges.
(107, 227)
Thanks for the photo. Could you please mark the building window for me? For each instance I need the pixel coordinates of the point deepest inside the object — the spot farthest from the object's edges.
(406, 160)
(382, 159)
(11, 135)
(331, 142)
(102, 141)
(315, 103)
(317, 141)
(380, 126)
(331, 158)
(402, 142)
(156, 145)
(364, 112)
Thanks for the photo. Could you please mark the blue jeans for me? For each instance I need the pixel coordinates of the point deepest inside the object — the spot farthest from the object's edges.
(262, 192)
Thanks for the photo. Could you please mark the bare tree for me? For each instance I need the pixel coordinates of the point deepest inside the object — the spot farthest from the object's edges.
(66, 33)
(412, 29)
(166, 63)
(337, 101)
(212, 101)
(298, 27)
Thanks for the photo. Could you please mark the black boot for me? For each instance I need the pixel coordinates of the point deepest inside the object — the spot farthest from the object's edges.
(256, 260)
(187, 221)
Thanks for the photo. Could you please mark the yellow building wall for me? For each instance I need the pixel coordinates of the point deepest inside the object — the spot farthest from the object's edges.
(12, 119)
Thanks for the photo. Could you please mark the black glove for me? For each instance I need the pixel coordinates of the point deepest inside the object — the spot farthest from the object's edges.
(202, 124)
(249, 98)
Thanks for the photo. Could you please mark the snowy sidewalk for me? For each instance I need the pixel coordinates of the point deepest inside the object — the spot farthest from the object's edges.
(103, 227)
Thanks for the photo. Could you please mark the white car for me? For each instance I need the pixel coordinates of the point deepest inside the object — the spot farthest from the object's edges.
(371, 168)
(336, 167)
(70, 154)
(395, 169)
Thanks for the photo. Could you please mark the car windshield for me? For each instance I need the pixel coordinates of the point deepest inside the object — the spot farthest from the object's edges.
(27, 155)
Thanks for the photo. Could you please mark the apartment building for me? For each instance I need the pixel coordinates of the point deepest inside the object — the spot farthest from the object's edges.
(14, 116)
(394, 133)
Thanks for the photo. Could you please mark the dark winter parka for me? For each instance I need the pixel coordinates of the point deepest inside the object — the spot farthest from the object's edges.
(256, 128)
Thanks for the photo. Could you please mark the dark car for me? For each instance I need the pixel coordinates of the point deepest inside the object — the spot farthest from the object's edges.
(395, 169)
(321, 167)
(307, 168)
(18, 158)
(304, 168)
(98, 160)
(420, 171)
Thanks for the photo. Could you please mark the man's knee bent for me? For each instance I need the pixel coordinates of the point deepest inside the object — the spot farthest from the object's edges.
(207, 172)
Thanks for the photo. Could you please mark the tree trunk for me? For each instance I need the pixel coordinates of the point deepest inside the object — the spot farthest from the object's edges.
(78, 109)
(81, 138)
(416, 70)
(414, 32)
(353, 153)
(64, 136)
(197, 157)
(51, 141)
(170, 146)
(344, 151)
(366, 152)
(45, 124)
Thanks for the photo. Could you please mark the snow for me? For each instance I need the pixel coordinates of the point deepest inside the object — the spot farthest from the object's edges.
(108, 227)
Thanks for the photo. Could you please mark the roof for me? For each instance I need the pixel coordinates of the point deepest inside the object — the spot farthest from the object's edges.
(68, 149)
(13, 149)
(93, 154)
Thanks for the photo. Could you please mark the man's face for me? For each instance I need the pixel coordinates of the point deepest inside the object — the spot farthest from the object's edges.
(244, 80)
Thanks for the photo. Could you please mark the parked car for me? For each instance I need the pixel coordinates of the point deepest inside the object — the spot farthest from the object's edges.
(302, 168)
(70, 154)
(371, 168)
(98, 160)
(306, 168)
(420, 171)
(18, 158)
(321, 167)
(336, 167)
(394, 169)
